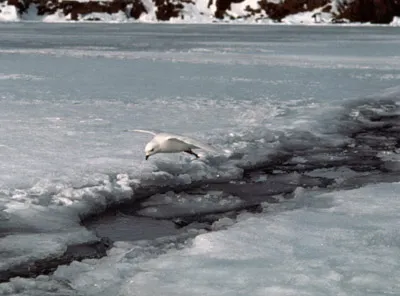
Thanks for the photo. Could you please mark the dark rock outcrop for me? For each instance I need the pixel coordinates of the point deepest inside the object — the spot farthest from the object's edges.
(223, 6)
(167, 9)
(137, 9)
(374, 11)
(82, 8)
(279, 11)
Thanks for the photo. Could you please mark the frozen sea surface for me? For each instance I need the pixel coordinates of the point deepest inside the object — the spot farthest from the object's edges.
(68, 92)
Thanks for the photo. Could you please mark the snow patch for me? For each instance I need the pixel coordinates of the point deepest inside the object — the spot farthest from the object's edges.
(150, 16)
(240, 9)
(8, 13)
(308, 17)
(395, 22)
(118, 17)
(197, 12)
(57, 17)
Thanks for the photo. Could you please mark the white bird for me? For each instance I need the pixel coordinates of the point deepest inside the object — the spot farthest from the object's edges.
(170, 143)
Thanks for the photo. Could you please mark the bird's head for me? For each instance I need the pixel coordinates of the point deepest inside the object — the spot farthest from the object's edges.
(151, 148)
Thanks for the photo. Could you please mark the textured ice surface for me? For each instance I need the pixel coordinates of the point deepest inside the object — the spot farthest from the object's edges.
(67, 94)
(21, 248)
(342, 243)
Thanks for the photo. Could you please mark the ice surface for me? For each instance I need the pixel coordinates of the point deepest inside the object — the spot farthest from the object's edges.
(67, 94)
(341, 243)
(21, 248)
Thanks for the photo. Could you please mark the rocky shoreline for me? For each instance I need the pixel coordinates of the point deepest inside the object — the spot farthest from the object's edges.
(331, 11)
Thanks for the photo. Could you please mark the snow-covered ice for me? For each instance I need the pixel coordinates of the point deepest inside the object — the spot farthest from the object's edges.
(69, 92)
(342, 243)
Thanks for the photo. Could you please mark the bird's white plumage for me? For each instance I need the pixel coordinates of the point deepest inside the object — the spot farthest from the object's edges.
(171, 143)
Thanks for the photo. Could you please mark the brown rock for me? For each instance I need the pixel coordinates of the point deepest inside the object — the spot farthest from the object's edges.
(46, 6)
(327, 8)
(167, 9)
(253, 11)
(374, 11)
(223, 6)
(20, 5)
(76, 8)
(281, 10)
(137, 9)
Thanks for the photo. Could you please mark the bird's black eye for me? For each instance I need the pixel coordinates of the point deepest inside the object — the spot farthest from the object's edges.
(152, 150)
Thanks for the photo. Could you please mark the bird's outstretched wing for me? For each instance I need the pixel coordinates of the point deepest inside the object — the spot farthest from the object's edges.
(194, 143)
(142, 131)
(179, 143)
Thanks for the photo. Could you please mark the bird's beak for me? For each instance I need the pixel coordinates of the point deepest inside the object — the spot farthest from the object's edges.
(147, 157)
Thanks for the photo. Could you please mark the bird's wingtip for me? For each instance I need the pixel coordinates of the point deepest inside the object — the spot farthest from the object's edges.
(141, 131)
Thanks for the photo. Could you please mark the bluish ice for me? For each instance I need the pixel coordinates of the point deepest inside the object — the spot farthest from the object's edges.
(68, 92)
